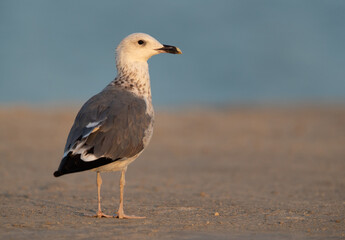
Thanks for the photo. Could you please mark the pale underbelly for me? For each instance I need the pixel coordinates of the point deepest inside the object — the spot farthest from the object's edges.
(116, 166)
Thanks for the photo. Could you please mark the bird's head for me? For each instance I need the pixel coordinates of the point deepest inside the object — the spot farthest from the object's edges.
(139, 47)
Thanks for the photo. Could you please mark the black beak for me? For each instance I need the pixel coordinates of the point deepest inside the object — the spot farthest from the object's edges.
(170, 49)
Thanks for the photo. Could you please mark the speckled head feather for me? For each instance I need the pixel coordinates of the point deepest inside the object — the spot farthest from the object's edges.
(131, 61)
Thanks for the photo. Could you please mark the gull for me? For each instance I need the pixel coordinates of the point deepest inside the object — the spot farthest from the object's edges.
(114, 127)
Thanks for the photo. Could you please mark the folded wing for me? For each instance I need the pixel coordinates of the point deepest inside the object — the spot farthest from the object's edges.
(111, 126)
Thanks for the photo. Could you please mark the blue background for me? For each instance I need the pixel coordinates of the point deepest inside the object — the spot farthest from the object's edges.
(234, 52)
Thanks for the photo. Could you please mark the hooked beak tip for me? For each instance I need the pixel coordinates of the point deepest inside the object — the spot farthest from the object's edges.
(178, 51)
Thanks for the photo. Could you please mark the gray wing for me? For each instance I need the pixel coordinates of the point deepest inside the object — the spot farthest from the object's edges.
(110, 126)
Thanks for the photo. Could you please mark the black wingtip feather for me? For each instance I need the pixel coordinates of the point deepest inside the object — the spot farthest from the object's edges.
(57, 174)
(72, 163)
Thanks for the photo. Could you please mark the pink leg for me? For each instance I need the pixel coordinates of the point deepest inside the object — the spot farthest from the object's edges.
(121, 213)
(100, 214)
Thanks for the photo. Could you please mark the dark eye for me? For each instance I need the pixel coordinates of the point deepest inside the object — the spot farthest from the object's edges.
(140, 42)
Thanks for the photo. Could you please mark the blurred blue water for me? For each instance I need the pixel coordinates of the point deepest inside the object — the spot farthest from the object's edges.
(233, 51)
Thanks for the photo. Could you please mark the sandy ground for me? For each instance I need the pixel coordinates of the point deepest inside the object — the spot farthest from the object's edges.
(238, 173)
